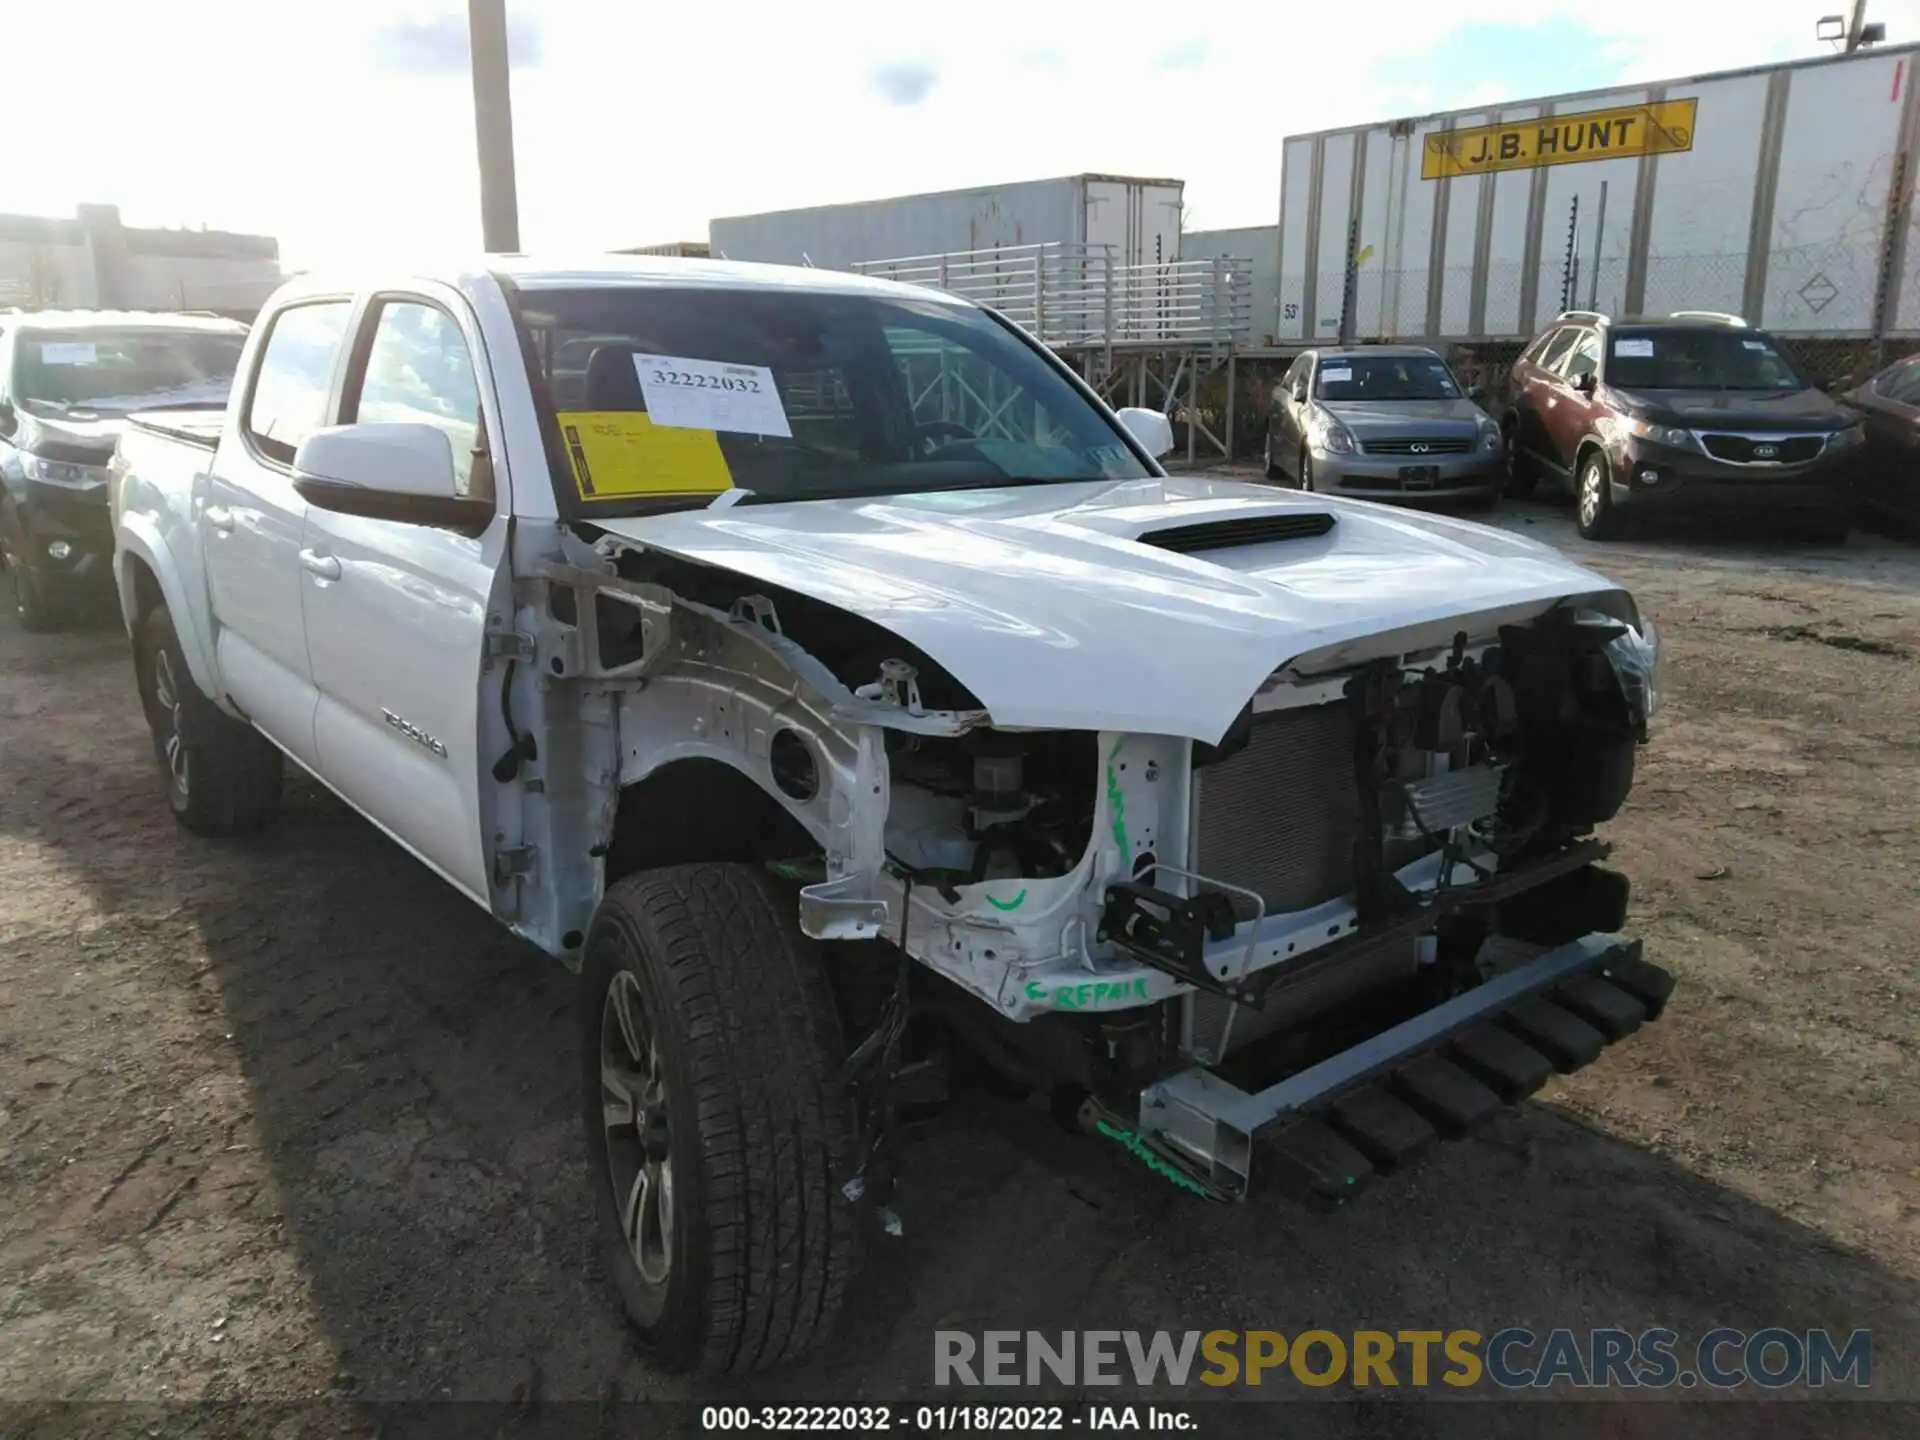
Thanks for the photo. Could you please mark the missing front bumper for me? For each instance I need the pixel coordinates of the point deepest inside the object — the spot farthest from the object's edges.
(1326, 1130)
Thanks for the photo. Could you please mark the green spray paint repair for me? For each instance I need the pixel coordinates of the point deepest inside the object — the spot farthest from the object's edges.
(1093, 995)
(1142, 1152)
(1013, 904)
(1117, 803)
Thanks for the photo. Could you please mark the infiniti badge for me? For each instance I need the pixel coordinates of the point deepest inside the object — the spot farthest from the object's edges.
(1419, 447)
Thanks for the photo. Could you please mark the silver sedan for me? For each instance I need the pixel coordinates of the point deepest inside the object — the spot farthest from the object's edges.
(1382, 423)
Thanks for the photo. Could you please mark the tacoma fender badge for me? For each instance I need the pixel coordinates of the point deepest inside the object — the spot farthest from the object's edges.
(414, 733)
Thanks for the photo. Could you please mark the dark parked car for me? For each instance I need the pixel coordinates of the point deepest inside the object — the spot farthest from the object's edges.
(1695, 412)
(1383, 422)
(67, 382)
(1889, 406)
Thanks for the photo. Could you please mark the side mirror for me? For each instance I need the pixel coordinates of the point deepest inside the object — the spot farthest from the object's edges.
(1299, 391)
(1151, 429)
(401, 472)
(1586, 384)
(1476, 392)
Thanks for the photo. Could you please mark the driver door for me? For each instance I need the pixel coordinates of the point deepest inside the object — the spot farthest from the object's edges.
(396, 613)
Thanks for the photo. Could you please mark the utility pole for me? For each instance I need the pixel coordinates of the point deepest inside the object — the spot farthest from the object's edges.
(493, 125)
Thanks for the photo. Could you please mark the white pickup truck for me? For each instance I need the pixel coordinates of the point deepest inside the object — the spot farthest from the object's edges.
(820, 668)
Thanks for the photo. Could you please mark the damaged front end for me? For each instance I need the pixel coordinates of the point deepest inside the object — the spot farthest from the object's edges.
(1369, 913)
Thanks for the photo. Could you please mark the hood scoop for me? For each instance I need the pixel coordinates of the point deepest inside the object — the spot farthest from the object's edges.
(1234, 534)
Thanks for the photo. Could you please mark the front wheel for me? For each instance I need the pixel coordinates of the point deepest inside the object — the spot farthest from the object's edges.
(223, 777)
(1598, 520)
(717, 1128)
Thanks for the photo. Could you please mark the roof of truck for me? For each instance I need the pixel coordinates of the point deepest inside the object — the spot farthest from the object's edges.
(539, 273)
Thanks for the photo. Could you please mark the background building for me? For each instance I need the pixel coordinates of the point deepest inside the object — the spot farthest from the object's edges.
(94, 261)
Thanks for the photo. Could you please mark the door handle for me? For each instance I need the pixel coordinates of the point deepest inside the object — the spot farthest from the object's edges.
(220, 518)
(326, 567)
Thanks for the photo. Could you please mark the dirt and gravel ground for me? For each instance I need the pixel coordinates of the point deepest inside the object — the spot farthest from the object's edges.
(291, 1119)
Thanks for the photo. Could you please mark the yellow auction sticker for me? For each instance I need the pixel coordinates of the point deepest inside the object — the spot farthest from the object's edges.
(1661, 128)
(620, 454)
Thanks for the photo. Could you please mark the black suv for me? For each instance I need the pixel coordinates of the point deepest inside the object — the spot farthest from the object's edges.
(1693, 412)
(67, 382)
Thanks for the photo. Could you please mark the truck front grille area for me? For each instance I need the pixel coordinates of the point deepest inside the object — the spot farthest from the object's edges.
(1280, 816)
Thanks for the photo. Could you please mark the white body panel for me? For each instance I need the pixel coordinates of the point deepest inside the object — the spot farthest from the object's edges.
(1780, 208)
(1042, 603)
(1139, 218)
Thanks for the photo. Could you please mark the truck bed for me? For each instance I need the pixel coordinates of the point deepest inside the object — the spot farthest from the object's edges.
(194, 424)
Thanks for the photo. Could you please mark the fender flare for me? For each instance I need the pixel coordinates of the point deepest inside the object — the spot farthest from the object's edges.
(138, 541)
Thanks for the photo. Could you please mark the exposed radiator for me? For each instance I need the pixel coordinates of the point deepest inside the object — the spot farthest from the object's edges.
(1280, 817)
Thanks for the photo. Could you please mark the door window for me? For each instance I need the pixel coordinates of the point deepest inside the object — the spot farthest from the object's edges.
(418, 371)
(1901, 384)
(1583, 358)
(295, 378)
(1536, 352)
(1556, 348)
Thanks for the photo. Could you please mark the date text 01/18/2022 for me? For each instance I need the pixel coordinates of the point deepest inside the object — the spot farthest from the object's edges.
(944, 1419)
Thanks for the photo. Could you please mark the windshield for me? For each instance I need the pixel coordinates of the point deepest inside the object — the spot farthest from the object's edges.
(1719, 359)
(1384, 377)
(661, 395)
(120, 370)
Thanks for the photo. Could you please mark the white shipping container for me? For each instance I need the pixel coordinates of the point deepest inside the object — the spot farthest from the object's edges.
(1782, 193)
(1139, 218)
(1261, 245)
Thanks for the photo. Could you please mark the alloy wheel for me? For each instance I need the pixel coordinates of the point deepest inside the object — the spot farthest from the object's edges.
(633, 1093)
(167, 702)
(1590, 498)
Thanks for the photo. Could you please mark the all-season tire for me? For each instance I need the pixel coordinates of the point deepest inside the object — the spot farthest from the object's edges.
(32, 607)
(223, 777)
(710, 1050)
(1593, 499)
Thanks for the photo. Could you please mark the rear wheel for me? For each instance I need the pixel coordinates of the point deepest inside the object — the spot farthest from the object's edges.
(1598, 520)
(27, 594)
(716, 1124)
(223, 777)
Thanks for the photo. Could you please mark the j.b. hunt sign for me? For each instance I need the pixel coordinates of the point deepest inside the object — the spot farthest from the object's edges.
(1660, 128)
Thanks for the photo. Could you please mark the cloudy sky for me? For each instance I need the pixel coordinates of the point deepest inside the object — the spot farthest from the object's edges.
(345, 126)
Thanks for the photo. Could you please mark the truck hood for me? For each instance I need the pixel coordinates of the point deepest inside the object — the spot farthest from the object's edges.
(83, 438)
(1046, 602)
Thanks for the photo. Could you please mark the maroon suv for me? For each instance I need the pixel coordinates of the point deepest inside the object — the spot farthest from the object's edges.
(1694, 412)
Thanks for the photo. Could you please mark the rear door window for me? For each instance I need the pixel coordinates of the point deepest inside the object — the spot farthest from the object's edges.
(294, 382)
(1582, 359)
(1556, 348)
